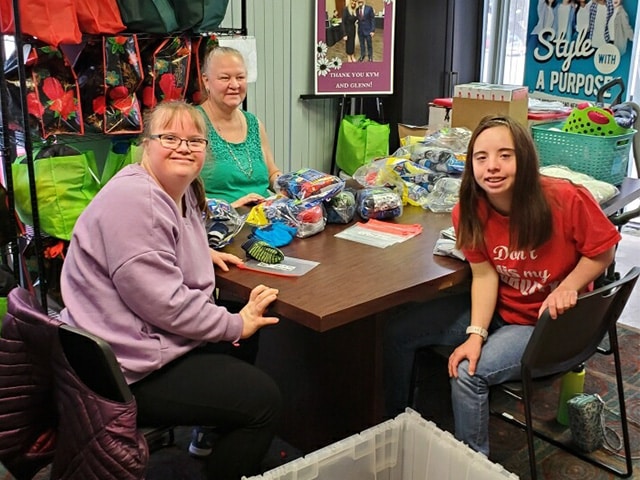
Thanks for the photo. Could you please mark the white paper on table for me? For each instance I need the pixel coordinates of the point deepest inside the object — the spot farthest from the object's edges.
(288, 267)
(374, 238)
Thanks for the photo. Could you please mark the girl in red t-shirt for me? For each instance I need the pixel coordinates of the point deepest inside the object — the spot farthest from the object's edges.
(532, 243)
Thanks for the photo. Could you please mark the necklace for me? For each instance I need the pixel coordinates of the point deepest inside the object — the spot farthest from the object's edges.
(246, 170)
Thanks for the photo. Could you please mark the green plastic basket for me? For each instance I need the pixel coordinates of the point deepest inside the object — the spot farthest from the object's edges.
(604, 158)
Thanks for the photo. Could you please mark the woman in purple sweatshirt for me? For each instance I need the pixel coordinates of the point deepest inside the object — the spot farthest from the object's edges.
(138, 273)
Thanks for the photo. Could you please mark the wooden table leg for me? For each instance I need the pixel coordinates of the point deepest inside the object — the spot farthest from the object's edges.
(331, 381)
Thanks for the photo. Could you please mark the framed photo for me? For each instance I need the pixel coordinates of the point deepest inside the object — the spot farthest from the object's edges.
(354, 47)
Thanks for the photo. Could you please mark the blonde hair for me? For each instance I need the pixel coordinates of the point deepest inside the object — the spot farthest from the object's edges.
(168, 113)
(218, 51)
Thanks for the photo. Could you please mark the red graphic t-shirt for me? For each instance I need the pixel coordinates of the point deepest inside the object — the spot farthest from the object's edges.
(580, 228)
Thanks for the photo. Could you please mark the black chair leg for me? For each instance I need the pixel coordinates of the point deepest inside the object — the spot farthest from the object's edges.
(613, 342)
(529, 427)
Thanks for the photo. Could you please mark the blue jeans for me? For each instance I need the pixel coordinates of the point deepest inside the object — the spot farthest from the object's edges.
(443, 322)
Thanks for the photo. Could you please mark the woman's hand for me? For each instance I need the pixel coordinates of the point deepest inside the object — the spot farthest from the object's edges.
(559, 301)
(220, 259)
(248, 200)
(469, 350)
(252, 313)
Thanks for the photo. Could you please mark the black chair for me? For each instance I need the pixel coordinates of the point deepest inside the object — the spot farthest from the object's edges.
(558, 346)
(65, 401)
(95, 364)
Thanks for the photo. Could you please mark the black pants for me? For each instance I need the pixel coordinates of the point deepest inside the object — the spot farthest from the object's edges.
(209, 386)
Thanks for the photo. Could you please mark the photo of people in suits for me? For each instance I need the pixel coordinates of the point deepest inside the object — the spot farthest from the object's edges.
(349, 20)
(366, 30)
(357, 34)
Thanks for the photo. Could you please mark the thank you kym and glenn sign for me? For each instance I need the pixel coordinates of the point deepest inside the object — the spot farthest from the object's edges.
(354, 47)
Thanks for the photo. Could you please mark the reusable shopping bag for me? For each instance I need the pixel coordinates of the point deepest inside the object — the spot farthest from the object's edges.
(122, 76)
(150, 16)
(167, 69)
(121, 154)
(6, 227)
(54, 95)
(99, 17)
(360, 140)
(65, 182)
(51, 21)
(91, 83)
(213, 12)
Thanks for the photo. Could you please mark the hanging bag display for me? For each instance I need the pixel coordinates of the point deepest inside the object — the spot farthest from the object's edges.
(99, 17)
(213, 13)
(121, 154)
(360, 140)
(166, 71)
(50, 21)
(91, 83)
(194, 84)
(150, 16)
(122, 77)
(55, 97)
(65, 182)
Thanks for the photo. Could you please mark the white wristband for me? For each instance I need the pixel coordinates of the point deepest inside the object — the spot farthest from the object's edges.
(478, 331)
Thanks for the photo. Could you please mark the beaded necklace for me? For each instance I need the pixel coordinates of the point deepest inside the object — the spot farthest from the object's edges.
(248, 170)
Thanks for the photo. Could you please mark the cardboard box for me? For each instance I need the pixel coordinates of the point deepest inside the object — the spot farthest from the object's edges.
(413, 132)
(407, 447)
(472, 101)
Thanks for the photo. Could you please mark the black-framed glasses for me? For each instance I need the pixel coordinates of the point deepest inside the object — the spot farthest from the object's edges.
(172, 142)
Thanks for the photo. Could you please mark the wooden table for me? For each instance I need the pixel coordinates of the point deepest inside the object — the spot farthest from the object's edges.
(326, 352)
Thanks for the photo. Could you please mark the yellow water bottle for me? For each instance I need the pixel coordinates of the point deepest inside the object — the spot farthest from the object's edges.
(572, 385)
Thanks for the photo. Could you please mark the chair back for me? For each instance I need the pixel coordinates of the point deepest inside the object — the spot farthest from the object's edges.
(73, 385)
(559, 345)
(95, 364)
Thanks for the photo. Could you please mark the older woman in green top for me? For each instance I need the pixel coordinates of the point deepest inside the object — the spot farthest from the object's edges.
(241, 169)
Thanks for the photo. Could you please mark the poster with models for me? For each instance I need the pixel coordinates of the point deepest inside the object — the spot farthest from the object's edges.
(574, 47)
(354, 47)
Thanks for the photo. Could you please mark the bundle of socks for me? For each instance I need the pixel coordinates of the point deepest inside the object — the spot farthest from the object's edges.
(262, 251)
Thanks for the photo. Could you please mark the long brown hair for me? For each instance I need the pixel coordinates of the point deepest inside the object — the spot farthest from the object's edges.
(163, 115)
(530, 222)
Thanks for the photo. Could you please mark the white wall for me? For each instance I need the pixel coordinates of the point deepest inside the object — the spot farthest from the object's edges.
(300, 131)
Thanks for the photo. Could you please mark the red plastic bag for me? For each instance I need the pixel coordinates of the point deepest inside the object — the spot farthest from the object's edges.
(99, 17)
(51, 21)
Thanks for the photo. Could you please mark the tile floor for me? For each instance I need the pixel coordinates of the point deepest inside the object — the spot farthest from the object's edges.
(627, 256)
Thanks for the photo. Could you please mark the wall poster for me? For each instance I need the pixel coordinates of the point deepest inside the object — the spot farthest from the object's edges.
(574, 47)
(354, 47)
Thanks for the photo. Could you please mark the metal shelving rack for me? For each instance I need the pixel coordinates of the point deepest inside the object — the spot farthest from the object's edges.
(9, 142)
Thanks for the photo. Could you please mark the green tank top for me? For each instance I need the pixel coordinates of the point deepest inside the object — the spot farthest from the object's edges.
(234, 170)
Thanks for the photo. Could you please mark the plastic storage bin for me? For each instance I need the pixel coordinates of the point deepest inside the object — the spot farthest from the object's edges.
(405, 448)
(604, 158)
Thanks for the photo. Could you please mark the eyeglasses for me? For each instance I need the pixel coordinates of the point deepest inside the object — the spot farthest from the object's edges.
(172, 142)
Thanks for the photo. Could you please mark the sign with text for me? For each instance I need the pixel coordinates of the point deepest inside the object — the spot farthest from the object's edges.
(576, 47)
(354, 47)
